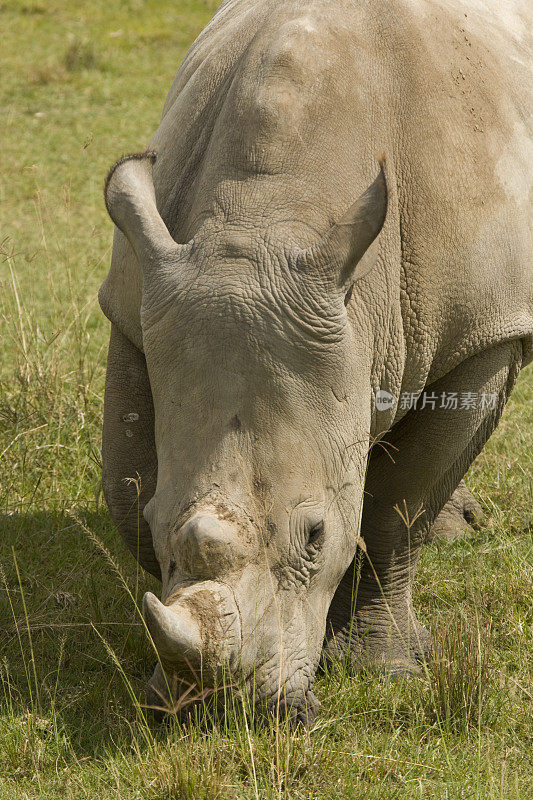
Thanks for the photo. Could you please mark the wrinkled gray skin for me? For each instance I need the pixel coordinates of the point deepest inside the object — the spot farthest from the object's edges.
(269, 277)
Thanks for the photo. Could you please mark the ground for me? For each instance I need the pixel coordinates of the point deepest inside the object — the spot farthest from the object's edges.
(81, 84)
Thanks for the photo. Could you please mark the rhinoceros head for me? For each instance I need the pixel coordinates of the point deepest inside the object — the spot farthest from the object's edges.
(261, 428)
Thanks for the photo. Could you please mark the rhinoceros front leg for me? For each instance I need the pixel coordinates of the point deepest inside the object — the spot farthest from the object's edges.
(462, 514)
(128, 448)
(371, 618)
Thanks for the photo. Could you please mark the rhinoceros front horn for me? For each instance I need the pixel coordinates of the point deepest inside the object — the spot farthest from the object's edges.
(176, 634)
(198, 628)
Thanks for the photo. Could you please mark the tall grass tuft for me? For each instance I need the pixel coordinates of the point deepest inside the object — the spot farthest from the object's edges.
(80, 55)
(459, 675)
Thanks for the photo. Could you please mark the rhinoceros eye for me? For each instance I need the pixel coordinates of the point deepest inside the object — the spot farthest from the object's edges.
(315, 536)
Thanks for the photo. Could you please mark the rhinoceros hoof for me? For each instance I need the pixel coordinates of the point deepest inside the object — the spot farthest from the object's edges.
(362, 654)
(307, 714)
(461, 515)
(395, 673)
(298, 712)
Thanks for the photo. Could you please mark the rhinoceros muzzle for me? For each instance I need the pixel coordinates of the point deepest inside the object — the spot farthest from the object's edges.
(197, 629)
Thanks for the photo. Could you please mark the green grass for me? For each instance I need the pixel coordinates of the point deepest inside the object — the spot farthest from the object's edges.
(81, 84)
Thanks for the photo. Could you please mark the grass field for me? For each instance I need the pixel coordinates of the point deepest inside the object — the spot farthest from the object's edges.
(81, 84)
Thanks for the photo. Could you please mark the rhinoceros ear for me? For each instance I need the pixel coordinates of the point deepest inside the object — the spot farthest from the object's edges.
(131, 204)
(343, 246)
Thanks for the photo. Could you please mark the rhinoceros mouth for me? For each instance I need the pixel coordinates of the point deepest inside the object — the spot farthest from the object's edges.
(168, 692)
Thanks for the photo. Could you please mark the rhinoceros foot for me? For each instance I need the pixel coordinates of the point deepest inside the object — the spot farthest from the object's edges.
(392, 657)
(461, 515)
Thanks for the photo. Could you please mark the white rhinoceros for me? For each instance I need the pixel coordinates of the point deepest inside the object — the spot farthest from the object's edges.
(281, 295)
